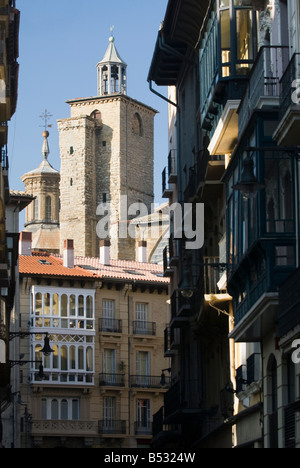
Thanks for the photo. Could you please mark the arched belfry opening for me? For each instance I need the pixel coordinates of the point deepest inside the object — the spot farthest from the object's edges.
(112, 72)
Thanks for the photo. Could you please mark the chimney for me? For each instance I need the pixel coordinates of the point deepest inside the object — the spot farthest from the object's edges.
(142, 257)
(25, 243)
(105, 252)
(68, 253)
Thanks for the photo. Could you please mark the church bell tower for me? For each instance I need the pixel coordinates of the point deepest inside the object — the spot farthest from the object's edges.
(111, 72)
(107, 153)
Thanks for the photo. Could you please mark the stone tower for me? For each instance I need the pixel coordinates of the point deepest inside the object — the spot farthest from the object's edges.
(42, 215)
(107, 151)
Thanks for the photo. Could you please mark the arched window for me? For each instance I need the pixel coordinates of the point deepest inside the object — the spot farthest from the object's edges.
(137, 125)
(89, 307)
(96, 115)
(48, 208)
(54, 410)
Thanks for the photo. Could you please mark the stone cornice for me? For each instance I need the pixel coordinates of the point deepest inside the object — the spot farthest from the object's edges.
(112, 98)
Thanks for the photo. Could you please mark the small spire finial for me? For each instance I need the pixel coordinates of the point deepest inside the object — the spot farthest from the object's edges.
(112, 39)
(46, 117)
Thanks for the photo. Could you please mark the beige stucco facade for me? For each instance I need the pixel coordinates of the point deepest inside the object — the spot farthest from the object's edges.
(113, 402)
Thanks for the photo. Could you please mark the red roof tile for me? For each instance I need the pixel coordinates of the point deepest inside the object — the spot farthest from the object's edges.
(85, 267)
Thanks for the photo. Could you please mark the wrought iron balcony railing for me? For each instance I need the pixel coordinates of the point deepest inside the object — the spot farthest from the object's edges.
(144, 328)
(110, 325)
(112, 427)
(111, 380)
(149, 381)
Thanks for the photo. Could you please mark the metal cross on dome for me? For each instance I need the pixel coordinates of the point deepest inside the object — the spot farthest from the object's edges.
(46, 117)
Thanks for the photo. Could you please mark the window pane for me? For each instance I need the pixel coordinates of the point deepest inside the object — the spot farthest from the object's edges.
(89, 307)
(47, 304)
(81, 306)
(55, 308)
(72, 358)
(38, 304)
(64, 358)
(72, 305)
(81, 358)
(64, 410)
(89, 359)
(244, 35)
(55, 357)
(44, 408)
(54, 410)
(75, 410)
(38, 356)
(64, 305)
(225, 30)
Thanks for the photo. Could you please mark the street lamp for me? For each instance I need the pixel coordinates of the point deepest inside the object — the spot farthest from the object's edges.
(163, 379)
(187, 288)
(248, 185)
(40, 374)
(47, 350)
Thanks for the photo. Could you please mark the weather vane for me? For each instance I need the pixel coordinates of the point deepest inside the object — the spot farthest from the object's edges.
(46, 117)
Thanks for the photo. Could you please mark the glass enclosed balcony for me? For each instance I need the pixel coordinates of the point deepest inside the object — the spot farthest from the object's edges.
(261, 238)
(228, 49)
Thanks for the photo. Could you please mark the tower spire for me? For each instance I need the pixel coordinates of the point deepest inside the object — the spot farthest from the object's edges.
(111, 71)
(45, 148)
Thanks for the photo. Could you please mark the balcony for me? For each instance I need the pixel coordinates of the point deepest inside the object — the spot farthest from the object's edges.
(289, 302)
(172, 341)
(108, 325)
(63, 428)
(181, 403)
(256, 314)
(198, 176)
(264, 83)
(167, 189)
(144, 328)
(112, 427)
(181, 310)
(169, 175)
(63, 378)
(143, 428)
(287, 133)
(172, 167)
(112, 380)
(148, 381)
(163, 433)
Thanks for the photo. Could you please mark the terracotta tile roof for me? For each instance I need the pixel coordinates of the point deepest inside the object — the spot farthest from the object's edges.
(85, 267)
(49, 265)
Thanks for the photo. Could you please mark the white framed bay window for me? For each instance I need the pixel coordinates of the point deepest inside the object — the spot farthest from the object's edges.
(68, 316)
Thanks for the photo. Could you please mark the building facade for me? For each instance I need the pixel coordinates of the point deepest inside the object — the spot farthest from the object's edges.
(103, 379)
(235, 68)
(9, 68)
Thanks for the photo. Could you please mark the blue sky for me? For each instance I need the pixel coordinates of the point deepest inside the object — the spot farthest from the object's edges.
(61, 42)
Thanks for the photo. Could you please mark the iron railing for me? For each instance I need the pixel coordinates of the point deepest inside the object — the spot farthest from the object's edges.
(111, 380)
(264, 80)
(112, 427)
(144, 328)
